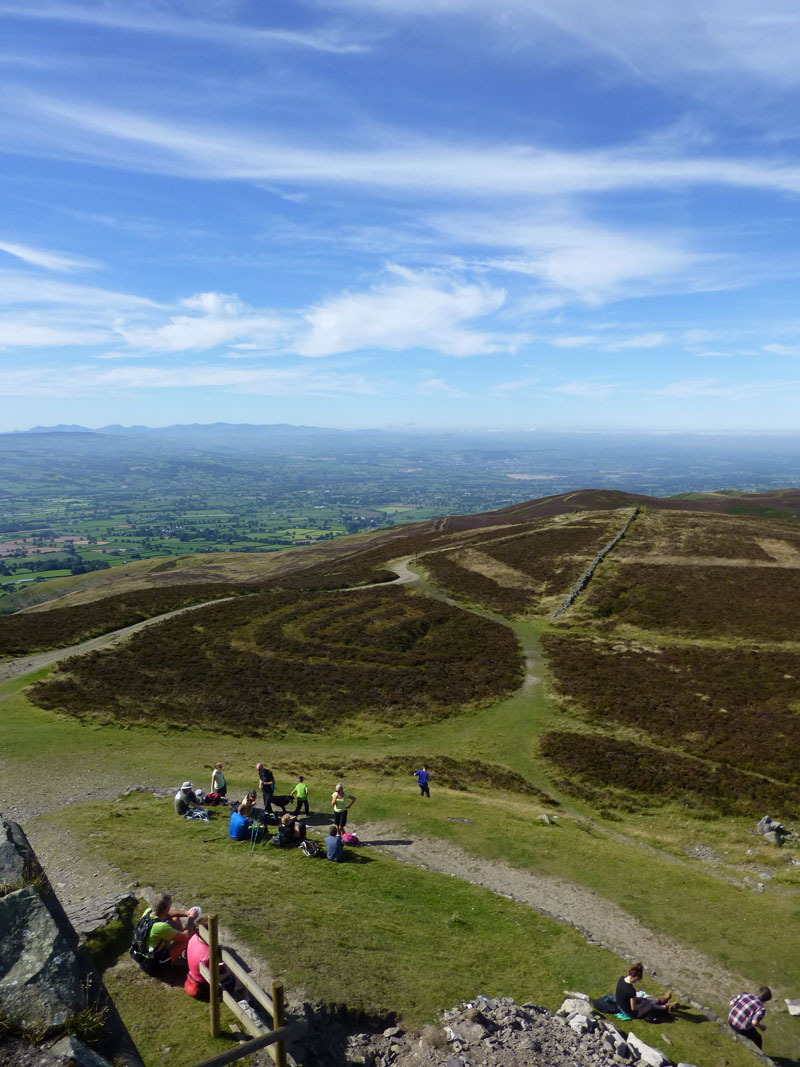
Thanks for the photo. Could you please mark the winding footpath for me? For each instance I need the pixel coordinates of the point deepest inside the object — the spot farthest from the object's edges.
(693, 975)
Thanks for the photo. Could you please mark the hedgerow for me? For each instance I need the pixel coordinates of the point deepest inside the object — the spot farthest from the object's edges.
(661, 776)
(303, 662)
(736, 706)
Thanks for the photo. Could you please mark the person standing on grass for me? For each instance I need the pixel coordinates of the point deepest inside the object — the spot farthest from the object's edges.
(422, 777)
(341, 803)
(300, 793)
(218, 783)
(747, 1011)
(267, 783)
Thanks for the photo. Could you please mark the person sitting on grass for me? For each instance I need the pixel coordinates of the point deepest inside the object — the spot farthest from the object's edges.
(185, 799)
(167, 939)
(197, 952)
(334, 845)
(240, 825)
(638, 1007)
(291, 833)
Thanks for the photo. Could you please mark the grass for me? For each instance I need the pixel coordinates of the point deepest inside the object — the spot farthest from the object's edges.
(387, 939)
(366, 926)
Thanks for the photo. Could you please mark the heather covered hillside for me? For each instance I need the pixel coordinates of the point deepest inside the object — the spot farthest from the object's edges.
(605, 688)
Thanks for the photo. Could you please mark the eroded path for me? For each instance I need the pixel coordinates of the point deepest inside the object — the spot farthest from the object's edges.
(15, 668)
(689, 972)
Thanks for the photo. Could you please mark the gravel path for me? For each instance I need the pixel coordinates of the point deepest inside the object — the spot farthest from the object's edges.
(691, 974)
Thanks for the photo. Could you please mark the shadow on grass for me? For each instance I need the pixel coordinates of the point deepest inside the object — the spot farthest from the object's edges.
(397, 841)
(784, 1061)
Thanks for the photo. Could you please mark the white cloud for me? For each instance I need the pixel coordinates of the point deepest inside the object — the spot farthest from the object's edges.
(701, 388)
(126, 18)
(16, 333)
(223, 319)
(782, 350)
(642, 340)
(587, 390)
(38, 257)
(706, 39)
(85, 380)
(412, 310)
(576, 341)
(515, 386)
(78, 130)
(438, 387)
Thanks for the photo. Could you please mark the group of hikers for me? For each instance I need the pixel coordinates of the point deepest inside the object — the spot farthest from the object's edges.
(161, 940)
(168, 940)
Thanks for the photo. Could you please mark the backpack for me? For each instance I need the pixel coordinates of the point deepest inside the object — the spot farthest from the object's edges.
(350, 839)
(139, 951)
(310, 848)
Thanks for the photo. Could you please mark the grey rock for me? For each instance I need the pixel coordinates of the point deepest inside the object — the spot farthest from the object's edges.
(15, 862)
(653, 1057)
(70, 1052)
(392, 1031)
(574, 1006)
(40, 982)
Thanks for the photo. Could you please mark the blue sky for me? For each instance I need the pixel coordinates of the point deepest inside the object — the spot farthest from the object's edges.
(435, 213)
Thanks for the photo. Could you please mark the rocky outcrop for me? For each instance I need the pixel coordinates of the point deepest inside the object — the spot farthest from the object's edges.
(487, 1032)
(47, 981)
(40, 979)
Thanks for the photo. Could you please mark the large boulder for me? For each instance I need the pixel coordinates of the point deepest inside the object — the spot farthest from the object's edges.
(16, 862)
(40, 980)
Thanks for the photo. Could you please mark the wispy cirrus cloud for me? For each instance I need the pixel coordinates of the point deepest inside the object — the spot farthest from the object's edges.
(707, 39)
(145, 19)
(80, 130)
(87, 380)
(39, 257)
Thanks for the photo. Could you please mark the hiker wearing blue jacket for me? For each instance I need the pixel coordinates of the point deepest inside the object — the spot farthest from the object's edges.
(422, 781)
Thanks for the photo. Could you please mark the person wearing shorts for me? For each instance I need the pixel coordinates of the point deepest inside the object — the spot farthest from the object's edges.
(341, 803)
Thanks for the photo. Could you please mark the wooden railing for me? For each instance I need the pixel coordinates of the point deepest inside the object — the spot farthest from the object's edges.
(274, 1039)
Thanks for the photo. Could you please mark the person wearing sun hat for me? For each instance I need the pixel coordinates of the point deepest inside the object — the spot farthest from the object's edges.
(185, 799)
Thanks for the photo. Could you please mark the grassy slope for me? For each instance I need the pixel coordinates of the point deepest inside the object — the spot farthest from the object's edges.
(658, 892)
(753, 934)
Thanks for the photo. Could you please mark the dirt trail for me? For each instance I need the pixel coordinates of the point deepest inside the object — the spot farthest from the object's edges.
(13, 668)
(602, 921)
(690, 973)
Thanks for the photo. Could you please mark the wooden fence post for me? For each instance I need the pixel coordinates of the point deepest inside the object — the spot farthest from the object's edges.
(278, 1020)
(213, 973)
